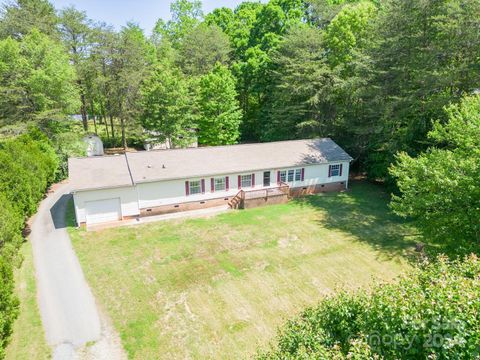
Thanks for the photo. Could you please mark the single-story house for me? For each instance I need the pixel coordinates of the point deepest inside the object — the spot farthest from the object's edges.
(110, 188)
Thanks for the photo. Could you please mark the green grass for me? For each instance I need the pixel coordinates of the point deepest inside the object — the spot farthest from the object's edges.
(28, 339)
(220, 287)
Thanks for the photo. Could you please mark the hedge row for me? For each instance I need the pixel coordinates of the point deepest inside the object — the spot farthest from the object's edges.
(434, 313)
(28, 165)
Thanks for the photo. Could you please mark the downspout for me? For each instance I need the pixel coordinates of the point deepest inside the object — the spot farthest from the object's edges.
(133, 183)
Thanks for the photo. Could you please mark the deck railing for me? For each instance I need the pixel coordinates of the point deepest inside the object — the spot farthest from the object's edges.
(238, 200)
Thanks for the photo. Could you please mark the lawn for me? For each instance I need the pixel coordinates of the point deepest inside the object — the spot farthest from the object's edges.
(28, 339)
(220, 287)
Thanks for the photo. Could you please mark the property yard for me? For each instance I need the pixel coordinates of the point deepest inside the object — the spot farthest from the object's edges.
(220, 287)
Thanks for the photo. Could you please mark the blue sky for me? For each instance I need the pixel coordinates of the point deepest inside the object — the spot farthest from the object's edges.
(144, 12)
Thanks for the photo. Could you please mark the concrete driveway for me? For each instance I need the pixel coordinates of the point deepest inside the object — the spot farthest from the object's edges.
(69, 313)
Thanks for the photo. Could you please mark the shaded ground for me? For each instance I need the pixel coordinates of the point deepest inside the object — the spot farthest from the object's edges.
(218, 288)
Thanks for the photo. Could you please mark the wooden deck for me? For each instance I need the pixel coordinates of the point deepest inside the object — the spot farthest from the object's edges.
(258, 197)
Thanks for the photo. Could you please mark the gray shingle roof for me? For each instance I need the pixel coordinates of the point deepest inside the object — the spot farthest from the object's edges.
(190, 163)
(98, 172)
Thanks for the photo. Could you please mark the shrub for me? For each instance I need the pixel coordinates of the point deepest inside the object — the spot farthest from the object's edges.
(28, 164)
(431, 313)
(8, 303)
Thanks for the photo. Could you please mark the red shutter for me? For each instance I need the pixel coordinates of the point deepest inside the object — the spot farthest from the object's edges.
(278, 177)
(239, 182)
(253, 180)
(227, 183)
(203, 186)
(187, 188)
(341, 168)
(329, 170)
(212, 184)
(303, 175)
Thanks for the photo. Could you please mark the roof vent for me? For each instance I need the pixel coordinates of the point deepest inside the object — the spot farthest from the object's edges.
(149, 166)
(163, 166)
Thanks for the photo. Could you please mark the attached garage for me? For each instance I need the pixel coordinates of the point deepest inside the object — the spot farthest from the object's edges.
(103, 211)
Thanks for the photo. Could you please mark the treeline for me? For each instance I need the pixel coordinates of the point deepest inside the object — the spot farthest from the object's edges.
(28, 165)
(373, 75)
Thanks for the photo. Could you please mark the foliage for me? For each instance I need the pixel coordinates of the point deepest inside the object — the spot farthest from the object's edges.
(168, 106)
(8, 303)
(20, 17)
(439, 188)
(186, 16)
(202, 49)
(27, 166)
(301, 100)
(219, 112)
(431, 313)
(36, 79)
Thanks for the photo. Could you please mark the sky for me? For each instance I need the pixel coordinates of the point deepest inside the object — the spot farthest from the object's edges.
(144, 12)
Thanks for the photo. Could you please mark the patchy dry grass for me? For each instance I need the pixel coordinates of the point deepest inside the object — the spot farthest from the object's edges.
(28, 339)
(220, 287)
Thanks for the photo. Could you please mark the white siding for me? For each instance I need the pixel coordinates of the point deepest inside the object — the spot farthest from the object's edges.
(127, 196)
(173, 191)
(146, 195)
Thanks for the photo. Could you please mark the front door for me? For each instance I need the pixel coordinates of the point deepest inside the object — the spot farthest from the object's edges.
(266, 178)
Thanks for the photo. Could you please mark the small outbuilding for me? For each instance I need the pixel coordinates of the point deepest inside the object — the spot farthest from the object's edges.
(94, 145)
(110, 188)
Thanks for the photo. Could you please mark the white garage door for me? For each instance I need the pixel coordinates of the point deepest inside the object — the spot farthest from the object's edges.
(103, 211)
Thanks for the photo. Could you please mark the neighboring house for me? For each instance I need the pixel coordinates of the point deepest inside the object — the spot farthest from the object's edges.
(117, 187)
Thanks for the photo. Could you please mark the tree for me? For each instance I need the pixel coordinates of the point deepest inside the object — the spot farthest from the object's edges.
(169, 109)
(439, 188)
(219, 112)
(36, 80)
(424, 57)
(202, 49)
(347, 30)
(301, 97)
(75, 29)
(131, 66)
(20, 17)
(186, 15)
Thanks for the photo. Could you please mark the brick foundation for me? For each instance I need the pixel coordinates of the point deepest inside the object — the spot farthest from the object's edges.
(194, 205)
(249, 203)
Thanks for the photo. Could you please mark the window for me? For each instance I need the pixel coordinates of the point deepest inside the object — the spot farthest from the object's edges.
(291, 175)
(195, 187)
(246, 181)
(335, 170)
(298, 174)
(283, 176)
(220, 184)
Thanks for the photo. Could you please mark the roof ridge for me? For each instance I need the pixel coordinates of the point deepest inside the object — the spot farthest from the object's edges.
(226, 146)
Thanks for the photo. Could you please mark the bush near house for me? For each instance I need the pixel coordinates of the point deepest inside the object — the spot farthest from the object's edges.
(28, 165)
(430, 314)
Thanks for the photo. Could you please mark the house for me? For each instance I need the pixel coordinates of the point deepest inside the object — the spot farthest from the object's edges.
(130, 185)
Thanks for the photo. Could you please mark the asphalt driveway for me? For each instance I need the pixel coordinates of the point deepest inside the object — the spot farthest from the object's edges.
(69, 313)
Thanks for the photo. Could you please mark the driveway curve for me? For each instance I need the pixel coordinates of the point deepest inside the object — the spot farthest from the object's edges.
(68, 310)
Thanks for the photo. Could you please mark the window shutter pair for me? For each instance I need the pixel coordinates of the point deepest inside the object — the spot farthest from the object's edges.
(227, 183)
(212, 184)
(302, 178)
(253, 180)
(187, 187)
(330, 170)
(239, 182)
(278, 177)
